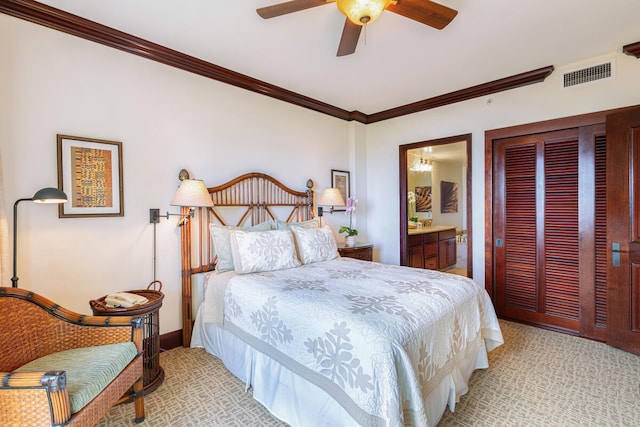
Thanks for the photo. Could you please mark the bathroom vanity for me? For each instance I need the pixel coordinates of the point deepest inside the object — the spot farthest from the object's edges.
(432, 247)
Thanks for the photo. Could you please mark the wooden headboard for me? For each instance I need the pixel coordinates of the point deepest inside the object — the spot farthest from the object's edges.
(246, 200)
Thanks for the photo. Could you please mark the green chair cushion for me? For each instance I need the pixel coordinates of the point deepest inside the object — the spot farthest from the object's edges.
(89, 370)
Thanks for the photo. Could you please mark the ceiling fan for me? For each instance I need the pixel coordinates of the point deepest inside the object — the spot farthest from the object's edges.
(363, 12)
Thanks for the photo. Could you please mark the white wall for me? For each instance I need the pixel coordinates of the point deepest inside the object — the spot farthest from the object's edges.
(167, 119)
(519, 106)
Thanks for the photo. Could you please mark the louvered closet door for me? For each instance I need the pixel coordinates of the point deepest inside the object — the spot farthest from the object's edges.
(544, 229)
(593, 232)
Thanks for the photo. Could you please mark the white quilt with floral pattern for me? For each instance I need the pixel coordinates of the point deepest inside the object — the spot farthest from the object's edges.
(375, 337)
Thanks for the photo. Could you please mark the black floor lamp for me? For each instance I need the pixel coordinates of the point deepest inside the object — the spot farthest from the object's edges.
(45, 195)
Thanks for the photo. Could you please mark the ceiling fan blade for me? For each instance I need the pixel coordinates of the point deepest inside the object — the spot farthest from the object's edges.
(349, 39)
(288, 7)
(424, 11)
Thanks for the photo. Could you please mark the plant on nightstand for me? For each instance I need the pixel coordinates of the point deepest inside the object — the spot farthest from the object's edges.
(351, 232)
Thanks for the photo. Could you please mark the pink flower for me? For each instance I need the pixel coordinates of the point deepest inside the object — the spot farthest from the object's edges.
(351, 205)
(351, 208)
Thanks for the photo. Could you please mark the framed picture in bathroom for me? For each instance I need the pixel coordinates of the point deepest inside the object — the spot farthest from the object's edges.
(423, 199)
(448, 197)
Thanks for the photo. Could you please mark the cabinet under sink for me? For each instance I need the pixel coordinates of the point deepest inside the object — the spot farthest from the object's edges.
(432, 248)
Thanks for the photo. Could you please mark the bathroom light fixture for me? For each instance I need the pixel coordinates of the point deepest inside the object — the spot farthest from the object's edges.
(429, 166)
(44, 195)
(422, 166)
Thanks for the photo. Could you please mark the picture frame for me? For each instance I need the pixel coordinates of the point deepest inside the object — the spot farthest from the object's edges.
(449, 197)
(340, 180)
(90, 173)
(423, 199)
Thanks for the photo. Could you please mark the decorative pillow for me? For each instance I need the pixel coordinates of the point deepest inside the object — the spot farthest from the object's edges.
(222, 243)
(315, 244)
(283, 225)
(258, 251)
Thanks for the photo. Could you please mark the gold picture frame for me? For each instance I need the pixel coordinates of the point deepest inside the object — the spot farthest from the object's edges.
(90, 173)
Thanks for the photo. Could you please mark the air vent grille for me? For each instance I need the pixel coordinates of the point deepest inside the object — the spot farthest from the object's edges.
(586, 75)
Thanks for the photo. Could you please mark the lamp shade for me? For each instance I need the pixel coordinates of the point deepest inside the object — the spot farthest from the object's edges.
(49, 195)
(331, 197)
(362, 12)
(192, 193)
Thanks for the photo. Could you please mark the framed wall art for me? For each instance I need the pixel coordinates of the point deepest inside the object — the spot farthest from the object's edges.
(423, 199)
(90, 173)
(449, 197)
(340, 180)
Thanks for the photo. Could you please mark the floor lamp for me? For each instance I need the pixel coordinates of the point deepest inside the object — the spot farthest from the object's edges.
(45, 195)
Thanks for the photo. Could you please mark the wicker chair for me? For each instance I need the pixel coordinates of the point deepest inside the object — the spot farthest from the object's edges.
(31, 327)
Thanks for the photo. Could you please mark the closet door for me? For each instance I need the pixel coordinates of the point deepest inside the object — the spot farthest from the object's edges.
(593, 232)
(515, 227)
(544, 229)
(623, 241)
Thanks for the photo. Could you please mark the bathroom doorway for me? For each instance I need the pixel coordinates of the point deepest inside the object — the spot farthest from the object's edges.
(435, 197)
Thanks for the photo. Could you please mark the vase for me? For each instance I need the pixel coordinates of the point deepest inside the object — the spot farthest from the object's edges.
(350, 241)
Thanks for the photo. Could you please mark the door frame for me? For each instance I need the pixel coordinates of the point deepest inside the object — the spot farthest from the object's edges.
(404, 220)
(589, 119)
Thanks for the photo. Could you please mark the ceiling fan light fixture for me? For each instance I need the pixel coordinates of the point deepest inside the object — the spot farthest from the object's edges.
(362, 12)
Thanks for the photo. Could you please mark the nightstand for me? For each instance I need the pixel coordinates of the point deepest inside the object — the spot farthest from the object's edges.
(363, 251)
(153, 374)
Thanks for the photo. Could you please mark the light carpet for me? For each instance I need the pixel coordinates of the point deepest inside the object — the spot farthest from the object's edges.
(537, 378)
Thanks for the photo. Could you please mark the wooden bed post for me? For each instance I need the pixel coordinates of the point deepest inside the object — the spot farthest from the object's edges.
(187, 313)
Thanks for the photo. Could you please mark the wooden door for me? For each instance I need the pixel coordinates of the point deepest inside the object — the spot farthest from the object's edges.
(536, 229)
(548, 220)
(623, 236)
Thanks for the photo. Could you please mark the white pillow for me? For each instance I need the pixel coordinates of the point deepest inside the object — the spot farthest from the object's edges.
(315, 244)
(258, 251)
(222, 243)
(284, 225)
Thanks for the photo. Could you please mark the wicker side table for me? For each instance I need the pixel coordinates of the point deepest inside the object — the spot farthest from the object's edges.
(152, 372)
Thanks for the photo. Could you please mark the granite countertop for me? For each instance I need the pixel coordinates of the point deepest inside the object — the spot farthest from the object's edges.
(432, 229)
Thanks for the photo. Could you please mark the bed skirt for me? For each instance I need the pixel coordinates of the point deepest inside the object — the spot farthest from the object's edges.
(298, 402)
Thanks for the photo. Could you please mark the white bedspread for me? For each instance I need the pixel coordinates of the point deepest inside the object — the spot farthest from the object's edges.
(377, 338)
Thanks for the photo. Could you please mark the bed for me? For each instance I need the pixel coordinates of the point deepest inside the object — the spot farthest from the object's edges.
(324, 340)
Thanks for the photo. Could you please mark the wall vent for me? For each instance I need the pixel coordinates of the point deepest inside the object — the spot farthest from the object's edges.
(587, 75)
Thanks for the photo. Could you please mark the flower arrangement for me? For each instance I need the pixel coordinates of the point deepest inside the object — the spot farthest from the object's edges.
(411, 198)
(351, 208)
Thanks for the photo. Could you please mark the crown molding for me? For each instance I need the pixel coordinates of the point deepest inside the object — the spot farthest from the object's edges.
(484, 89)
(57, 19)
(632, 49)
(60, 20)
